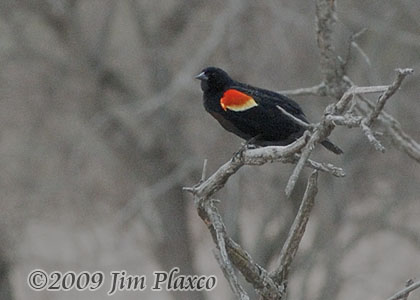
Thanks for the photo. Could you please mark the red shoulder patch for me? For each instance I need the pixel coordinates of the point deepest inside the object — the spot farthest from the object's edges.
(237, 101)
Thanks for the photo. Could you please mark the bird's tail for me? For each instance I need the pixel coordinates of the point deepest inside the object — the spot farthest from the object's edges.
(330, 146)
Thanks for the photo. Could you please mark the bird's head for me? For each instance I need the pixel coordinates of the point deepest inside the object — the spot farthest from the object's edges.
(214, 79)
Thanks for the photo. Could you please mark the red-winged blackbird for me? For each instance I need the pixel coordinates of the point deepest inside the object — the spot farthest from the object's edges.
(251, 112)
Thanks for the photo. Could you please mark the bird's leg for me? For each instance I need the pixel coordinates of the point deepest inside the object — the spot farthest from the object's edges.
(250, 144)
(245, 146)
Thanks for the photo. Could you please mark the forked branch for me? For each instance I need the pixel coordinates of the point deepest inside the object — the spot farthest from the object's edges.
(335, 83)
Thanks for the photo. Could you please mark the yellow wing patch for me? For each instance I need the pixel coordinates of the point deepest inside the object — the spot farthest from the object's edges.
(237, 101)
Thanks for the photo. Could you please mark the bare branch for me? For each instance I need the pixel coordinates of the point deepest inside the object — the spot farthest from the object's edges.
(259, 156)
(301, 163)
(407, 284)
(231, 253)
(237, 289)
(249, 157)
(298, 121)
(371, 137)
(402, 73)
(403, 141)
(216, 181)
(220, 235)
(253, 272)
(357, 90)
(326, 167)
(327, 124)
(400, 138)
(346, 120)
(362, 53)
(335, 83)
(404, 292)
(353, 44)
(204, 172)
(316, 90)
(263, 155)
(297, 230)
(332, 67)
(366, 122)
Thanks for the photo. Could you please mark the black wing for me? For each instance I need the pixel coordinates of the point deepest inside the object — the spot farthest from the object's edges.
(269, 99)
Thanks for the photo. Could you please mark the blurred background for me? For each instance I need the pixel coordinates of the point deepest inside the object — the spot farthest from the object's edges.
(102, 124)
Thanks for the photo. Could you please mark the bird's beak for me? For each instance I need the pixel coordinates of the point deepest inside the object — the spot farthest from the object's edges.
(201, 76)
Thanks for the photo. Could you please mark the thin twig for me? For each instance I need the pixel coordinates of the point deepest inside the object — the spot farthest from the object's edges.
(346, 120)
(326, 125)
(316, 90)
(237, 289)
(306, 152)
(335, 84)
(362, 53)
(249, 157)
(402, 73)
(366, 123)
(259, 156)
(298, 121)
(405, 291)
(399, 137)
(297, 230)
(353, 44)
(231, 253)
(407, 284)
(221, 255)
(204, 172)
(371, 137)
(326, 167)
(357, 90)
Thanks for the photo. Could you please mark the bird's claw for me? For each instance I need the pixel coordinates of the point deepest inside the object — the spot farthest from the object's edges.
(249, 144)
(237, 156)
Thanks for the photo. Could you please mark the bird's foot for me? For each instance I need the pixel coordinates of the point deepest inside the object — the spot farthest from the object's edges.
(249, 144)
(238, 154)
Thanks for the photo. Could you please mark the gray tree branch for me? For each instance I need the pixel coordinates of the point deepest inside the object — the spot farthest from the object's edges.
(297, 230)
(328, 122)
(336, 84)
(404, 292)
(272, 286)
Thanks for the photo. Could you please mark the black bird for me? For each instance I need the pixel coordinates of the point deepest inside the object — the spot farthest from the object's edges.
(252, 113)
